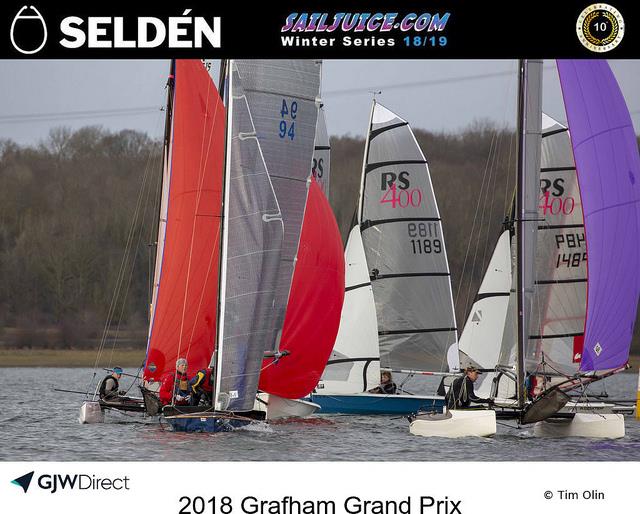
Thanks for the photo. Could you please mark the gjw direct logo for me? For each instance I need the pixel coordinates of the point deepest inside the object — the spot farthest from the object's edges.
(24, 481)
(56, 482)
(29, 31)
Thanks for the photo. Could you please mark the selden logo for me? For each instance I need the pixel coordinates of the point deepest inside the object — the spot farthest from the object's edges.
(55, 483)
(600, 27)
(24, 481)
(29, 31)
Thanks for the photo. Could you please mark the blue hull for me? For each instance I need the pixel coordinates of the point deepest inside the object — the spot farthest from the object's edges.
(376, 404)
(211, 424)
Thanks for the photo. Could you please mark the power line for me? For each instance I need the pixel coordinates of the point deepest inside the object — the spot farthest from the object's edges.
(77, 115)
(432, 82)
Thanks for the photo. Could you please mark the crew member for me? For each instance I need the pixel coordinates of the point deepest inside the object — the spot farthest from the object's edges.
(461, 392)
(201, 386)
(174, 387)
(386, 386)
(109, 389)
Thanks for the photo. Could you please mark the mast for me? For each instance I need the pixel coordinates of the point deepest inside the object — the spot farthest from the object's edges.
(162, 203)
(216, 358)
(224, 65)
(364, 163)
(529, 138)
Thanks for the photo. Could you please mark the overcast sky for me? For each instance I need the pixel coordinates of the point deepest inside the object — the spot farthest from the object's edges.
(438, 95)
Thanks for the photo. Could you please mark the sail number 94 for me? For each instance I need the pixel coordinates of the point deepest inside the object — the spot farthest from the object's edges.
(288, 113)
(198, 505)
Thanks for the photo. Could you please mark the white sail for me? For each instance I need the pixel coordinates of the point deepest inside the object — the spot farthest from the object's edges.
(354, 365)
(481, 340)
(162, 227)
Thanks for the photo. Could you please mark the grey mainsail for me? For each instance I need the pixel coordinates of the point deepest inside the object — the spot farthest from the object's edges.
(282, 96)
(253, 235)
(556, 331)
(404, 248)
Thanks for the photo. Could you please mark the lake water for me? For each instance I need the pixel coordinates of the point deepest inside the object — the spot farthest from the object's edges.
(37, 423)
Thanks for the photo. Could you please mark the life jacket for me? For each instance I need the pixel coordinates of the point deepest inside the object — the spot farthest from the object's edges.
(172, 383)
(182, 383)
(202, 381)
(103, 387)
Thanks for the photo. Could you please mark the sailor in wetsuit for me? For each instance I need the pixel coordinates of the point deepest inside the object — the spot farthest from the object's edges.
(386, 385)
(202, 386)
(109, 389)
(461, 392)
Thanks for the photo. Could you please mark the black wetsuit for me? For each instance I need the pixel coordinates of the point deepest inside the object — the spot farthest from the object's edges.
(461, 394)
(388, 388)
(109, 388)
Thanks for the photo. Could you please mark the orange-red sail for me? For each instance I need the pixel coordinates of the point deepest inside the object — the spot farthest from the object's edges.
(315, 303)
(183, 320)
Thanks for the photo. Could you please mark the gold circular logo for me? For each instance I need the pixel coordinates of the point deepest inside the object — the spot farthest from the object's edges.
(600, 27)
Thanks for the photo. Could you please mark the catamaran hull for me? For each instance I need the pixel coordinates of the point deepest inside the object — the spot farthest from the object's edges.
(91, 412)
(368, 404)
(206, 423)
(601, 426)
(276, 407)
(455, 424)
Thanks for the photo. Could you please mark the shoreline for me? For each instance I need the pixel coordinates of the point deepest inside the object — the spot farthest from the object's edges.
(130, 358)
(40, 358)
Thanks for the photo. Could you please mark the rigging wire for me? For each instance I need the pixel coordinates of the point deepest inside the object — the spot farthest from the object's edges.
(135, 254)
(121, 272)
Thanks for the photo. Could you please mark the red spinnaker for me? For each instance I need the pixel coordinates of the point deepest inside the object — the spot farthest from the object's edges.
(184, 317)
(315, 303)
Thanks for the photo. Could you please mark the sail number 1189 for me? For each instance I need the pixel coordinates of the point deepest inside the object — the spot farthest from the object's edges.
(424, 238)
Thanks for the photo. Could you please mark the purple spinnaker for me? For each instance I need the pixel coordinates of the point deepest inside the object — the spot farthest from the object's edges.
(608, 166)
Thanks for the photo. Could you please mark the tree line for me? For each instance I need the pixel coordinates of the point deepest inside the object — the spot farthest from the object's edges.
(75, 205)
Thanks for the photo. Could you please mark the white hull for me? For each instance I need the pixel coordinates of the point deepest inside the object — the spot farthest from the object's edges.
(277, 407)
(602, 426)
(90, 412)
(456, 423)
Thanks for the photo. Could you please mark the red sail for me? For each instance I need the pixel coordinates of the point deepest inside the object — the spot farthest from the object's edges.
(315, 302)
(184, 315)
